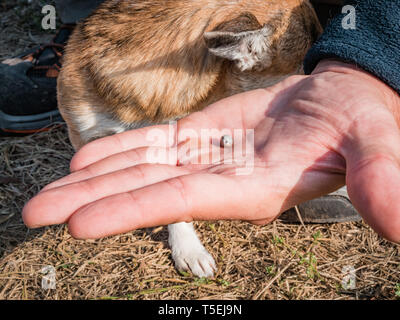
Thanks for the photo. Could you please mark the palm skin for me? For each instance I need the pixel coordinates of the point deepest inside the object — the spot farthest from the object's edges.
(313, 134)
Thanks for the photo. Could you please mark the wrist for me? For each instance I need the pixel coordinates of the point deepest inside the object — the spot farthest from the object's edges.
(389, 97)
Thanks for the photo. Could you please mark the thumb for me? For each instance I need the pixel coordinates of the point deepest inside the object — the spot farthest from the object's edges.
(373, 173)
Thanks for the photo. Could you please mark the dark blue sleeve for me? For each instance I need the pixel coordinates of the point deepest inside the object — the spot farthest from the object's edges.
(373, 45)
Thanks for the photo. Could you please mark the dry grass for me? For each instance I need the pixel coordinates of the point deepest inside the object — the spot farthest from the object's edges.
(277, 261)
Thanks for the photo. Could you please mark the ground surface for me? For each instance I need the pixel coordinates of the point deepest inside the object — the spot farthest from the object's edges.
(277, 261)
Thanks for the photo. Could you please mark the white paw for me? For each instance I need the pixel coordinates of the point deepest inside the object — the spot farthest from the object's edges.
(195, 259)
(188, 252)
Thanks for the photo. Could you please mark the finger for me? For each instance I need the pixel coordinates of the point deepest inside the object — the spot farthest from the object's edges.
(119, 161)
(154, 136)
(200, 196)
(240, 111)
(184, 198)
(373, 174)
(192, 156)
(56, 205)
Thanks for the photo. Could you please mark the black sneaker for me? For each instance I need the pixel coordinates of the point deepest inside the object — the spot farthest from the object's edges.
(332, 208)
(28, 87)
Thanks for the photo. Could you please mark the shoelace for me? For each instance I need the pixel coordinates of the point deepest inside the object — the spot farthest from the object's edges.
(50, 71)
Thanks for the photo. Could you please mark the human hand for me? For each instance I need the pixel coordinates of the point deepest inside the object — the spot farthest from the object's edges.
(312, 134)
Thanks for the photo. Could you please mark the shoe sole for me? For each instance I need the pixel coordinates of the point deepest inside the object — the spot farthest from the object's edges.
(10, 124)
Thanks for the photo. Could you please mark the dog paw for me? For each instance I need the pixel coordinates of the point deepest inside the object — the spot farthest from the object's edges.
(194, 259)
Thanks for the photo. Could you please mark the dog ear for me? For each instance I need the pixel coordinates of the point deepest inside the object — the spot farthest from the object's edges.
(242, 40)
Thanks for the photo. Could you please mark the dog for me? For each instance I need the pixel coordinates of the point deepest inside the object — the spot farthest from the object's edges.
(138, 63)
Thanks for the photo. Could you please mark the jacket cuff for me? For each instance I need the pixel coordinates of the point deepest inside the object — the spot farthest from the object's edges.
(373, 45)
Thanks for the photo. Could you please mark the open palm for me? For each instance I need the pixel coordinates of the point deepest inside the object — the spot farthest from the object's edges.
(312, 134)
